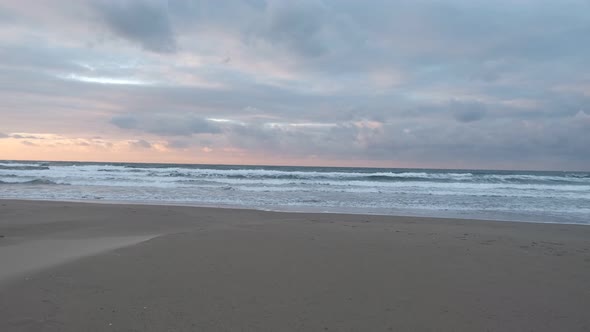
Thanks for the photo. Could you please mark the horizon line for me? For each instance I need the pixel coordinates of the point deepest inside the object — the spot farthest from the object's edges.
(283, 165)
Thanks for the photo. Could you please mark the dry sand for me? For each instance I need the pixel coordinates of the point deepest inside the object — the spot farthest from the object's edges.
(99, 267)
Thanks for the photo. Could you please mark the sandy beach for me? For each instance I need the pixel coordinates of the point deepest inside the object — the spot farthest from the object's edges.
(101, 267)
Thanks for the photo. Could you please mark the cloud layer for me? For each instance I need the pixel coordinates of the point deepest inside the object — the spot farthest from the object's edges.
(457, 83)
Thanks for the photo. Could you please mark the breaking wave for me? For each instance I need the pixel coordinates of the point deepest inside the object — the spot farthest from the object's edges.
(23, 167)
(548, 195)
(33, 182)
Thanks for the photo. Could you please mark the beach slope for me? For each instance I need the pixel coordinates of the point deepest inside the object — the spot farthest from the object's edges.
(101, 267)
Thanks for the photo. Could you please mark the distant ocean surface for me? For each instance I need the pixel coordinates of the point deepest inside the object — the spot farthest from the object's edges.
(559, 197)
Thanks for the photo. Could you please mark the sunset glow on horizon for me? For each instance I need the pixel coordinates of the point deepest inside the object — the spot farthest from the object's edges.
(429, 84)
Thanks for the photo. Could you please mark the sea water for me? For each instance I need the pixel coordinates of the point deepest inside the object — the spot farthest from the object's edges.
(547, 196)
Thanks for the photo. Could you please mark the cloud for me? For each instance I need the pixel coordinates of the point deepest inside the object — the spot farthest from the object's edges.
(419, 82)
(297, 26)
(582, 118)
(146, 23)
(140, 144)
(2, 135)
(177, 144)
(167, 125)
(124, 121)
(19, 136)
(28, 143)
(467, 111)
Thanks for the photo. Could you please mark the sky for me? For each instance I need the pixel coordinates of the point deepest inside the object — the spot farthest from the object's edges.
(391, 83)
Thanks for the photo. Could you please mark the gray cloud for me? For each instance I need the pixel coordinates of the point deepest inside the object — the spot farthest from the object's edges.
(144, 22)
(297, 26)
(2, 135)
(17, 136)
(28, 143)
(467, 112)
(141, 144)
(167, 125)
(501, 143)
(178, 144)
(125, 121)
(424, 82)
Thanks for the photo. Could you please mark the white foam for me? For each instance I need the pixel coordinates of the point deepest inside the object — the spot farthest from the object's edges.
(561, 193)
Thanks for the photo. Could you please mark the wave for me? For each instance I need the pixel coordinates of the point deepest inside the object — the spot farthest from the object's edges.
(265, 175)
(34, 182)
(578, 175)
(155, 174)
(23, 167)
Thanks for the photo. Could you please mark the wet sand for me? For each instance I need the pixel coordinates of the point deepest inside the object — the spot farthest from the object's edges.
(100, 267)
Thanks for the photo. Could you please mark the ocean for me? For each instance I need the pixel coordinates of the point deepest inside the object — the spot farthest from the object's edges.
(534, 196)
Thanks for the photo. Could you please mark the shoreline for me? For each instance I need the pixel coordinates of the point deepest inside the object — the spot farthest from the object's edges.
(417, 214)
(526, 196)
(158, 268)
